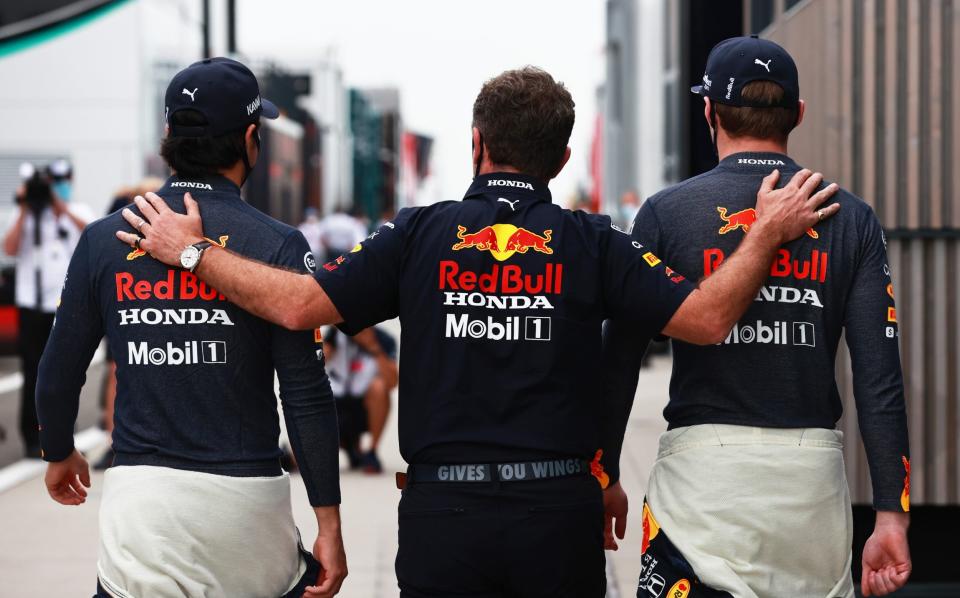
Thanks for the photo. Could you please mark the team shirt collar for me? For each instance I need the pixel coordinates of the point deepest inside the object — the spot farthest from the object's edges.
(509, 183)
(758, 162)
(215, 183)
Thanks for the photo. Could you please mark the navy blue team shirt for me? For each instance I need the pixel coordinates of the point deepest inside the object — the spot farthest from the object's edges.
(776, 367)
(195, 373)
(501, 298)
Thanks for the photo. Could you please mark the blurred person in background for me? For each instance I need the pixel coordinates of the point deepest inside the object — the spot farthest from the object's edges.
(629, 205)
(121, 199)
(311, 230)
(42, 237)
(339, 233)
(60, 174)
(362, 382)
(748, 496)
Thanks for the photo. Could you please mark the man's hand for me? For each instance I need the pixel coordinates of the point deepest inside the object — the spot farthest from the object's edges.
(791, 211)
(163, 233)
(329, 552)
(66, 480)
(614, 507)
(886, 555)
(710, 311)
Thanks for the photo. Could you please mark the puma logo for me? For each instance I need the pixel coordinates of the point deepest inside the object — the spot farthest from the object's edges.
(187, 92)
(765, 65)
(513, 203)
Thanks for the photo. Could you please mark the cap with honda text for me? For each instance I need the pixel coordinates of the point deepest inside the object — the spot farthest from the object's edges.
(224, 91)
(737, 61)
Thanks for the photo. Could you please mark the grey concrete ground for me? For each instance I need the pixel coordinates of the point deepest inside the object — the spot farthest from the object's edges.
(50, 550)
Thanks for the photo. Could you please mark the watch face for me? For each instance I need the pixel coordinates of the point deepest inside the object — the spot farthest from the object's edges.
(189, 257)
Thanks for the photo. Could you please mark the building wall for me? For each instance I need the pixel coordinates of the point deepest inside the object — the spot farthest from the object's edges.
(94, 93)
(881, 82)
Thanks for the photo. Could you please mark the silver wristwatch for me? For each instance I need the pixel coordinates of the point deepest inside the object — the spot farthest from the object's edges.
(190, 257)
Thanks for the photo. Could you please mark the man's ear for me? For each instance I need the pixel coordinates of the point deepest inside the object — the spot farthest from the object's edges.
(801, 110)
(166, 130)
(566, 158)
(706, 113)
(253, 148)
(476, 143)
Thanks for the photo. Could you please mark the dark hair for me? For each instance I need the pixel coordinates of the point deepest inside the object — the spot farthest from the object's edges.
(759, 123)
(525, 118)
(201, 156)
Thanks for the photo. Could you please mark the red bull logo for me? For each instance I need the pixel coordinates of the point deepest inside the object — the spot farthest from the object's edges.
(905, 495)
(785, 266)
(140, 253)
(744, 219)
(650, 528)
(503, 240)
(596, 470)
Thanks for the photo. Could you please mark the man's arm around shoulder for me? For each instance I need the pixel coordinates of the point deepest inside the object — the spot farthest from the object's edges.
(294, 301)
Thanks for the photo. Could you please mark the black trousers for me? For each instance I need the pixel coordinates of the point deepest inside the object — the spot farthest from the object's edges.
(34, 331)
(497, 540)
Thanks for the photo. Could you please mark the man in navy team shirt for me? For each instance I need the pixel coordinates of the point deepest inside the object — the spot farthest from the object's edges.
(196, 502)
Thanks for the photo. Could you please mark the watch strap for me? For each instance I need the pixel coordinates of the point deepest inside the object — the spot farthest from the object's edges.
(200, 247)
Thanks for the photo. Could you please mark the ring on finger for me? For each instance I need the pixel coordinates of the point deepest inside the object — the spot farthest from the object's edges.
(819, 215)
(140, 224)
(137, 243)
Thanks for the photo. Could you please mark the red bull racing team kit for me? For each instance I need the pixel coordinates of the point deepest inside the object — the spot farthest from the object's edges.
(770, 379)
(195, 385)
(498, 299)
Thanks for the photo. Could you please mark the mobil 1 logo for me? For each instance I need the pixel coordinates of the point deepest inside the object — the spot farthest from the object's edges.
(511, 328)
(798, 334)
(189, 353)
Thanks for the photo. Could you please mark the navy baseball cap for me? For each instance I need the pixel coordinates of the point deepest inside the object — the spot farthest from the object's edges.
(737, 61)
(224, 91)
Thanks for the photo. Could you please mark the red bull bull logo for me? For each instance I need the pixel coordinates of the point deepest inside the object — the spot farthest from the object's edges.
(744, 219)
(596, 470)
(650, 528)
(140, 253)
(905, 495)
(503, 240)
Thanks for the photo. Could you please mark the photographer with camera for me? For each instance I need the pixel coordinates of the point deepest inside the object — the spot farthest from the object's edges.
(42, 237)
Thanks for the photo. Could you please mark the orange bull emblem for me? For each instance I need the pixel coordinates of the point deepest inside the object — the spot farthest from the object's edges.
(905, 495)
(744, 219)
(596, 470)
(140, 253)
(503, 240)
(650, 528)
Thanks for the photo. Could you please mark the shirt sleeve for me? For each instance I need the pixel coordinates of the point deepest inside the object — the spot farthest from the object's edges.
(872, 335)
(77, 331)
(637, 286)
(364, 284)
(624, 345)
(308, 405)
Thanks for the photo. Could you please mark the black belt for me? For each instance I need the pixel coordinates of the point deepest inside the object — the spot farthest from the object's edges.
(522, 471)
